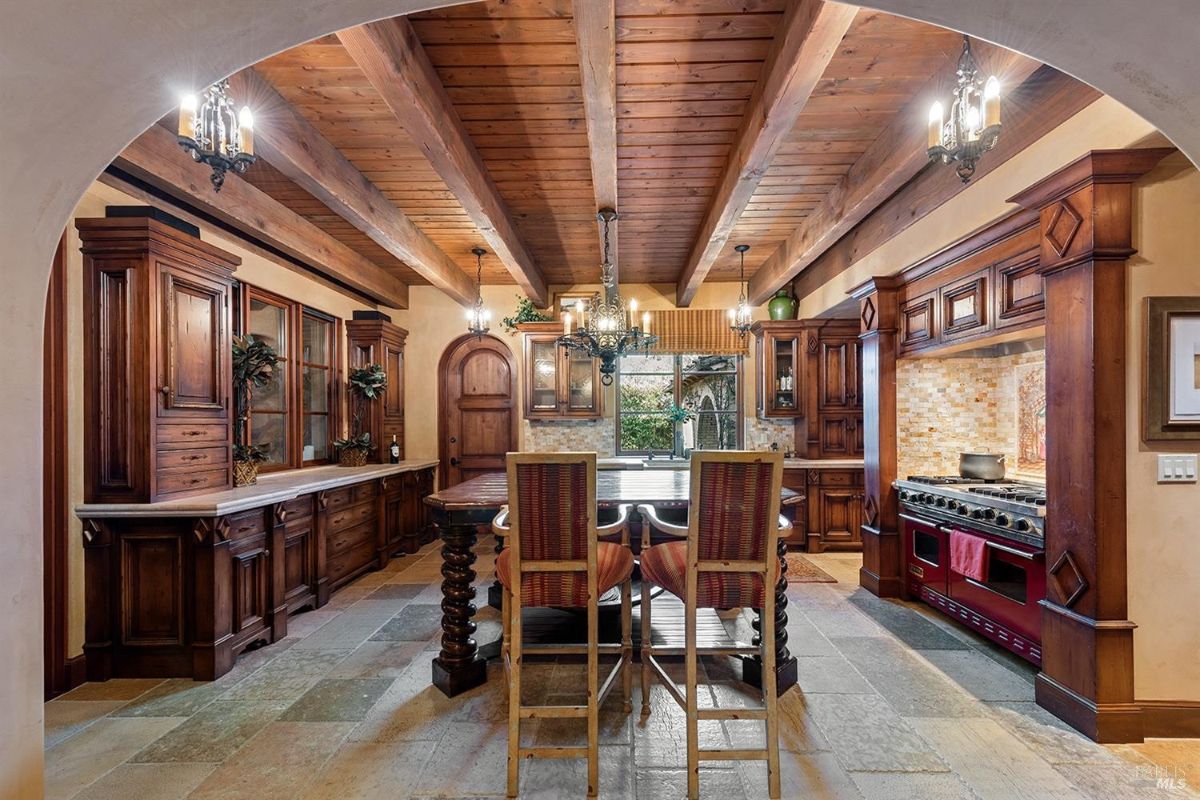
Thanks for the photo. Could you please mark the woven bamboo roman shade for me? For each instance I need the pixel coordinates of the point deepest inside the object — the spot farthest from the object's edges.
(686, 330)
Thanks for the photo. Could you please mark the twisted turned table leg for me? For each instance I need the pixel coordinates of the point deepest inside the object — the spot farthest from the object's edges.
(785, 662)
(458, 667)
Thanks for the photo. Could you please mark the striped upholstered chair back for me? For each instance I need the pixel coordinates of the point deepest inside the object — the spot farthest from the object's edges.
(552, 514)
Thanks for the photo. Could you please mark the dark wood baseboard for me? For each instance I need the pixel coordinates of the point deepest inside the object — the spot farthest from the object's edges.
(881, 587)
(1170, 719)
(76, 671)
(1110, 723)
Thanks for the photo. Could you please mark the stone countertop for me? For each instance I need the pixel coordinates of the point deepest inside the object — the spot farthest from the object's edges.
(275, 487)
(823, 463)
(633, 462)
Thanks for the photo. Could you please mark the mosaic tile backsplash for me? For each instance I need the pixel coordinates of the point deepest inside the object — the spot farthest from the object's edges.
(950, 405)
(547, 436)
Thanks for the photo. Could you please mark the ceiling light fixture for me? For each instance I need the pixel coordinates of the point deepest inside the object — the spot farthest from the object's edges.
(214, 134)
(974, 123)
(739, 317)
(607, 327)
(478, 318)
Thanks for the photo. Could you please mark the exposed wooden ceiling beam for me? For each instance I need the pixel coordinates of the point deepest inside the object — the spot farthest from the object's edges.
(391, 56)
(802, 48)
(596, 38)
(156, 158)
(1038, 107)
(295, 148)
(892, 160)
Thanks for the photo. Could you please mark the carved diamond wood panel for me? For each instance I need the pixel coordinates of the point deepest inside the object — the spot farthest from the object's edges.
(1064, 224)
(1068, 581)
(868, 314)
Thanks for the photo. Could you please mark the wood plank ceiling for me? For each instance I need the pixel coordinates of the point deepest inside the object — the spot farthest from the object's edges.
(685, 72)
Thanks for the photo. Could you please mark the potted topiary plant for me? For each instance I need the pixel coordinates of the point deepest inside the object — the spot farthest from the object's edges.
(367, 384)
(678, 415)
(254, 364)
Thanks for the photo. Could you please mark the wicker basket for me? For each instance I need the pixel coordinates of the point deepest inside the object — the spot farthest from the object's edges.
(352, 457)
(245, 473)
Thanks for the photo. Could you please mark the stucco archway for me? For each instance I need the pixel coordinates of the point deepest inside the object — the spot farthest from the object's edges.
(80, 81)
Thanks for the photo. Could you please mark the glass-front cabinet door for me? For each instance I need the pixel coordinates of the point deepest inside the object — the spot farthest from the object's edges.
(558, 383)
(779, 362)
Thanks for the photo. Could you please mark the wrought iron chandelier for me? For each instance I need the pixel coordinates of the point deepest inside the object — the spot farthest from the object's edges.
(739, 317)
(974, 123)
(607, 327)
(214, 134)
(478, 318)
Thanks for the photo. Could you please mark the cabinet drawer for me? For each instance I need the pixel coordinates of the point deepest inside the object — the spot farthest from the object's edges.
(350, 516)
(364, 491)
(351, 537)
(338, 498)
(796, 479)
(175, 434)
(298, 509)
(350, 561)
(247, 523)
(838, 477)
(172, 482)
(194, 458)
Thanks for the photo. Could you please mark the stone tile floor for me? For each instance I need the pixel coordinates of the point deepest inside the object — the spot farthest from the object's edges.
(894, 703)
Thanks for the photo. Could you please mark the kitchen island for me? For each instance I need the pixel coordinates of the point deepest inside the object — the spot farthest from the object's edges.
(179, 588)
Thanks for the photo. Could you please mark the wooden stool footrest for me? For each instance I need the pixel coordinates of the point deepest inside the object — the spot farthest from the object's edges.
(553, 712)
(554, 752)
(733, 755)
(732, 713)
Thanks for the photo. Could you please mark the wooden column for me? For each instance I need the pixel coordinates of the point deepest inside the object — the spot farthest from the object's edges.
(879, 304)
(1087, 641)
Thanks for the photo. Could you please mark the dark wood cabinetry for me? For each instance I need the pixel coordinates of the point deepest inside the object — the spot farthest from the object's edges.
(780, 359)
(182, 596)
(830, 516)
(156, 361)
(377, 341)
(559, 384)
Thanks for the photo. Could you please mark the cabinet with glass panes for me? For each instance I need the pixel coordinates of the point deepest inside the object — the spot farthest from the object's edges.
(779, 356)
(558, 383)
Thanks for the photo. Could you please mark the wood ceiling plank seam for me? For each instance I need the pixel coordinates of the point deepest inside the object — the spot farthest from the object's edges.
(894, 158)
(806, 42)
(393, 59)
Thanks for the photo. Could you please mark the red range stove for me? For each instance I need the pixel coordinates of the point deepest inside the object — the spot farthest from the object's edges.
(1004, 523)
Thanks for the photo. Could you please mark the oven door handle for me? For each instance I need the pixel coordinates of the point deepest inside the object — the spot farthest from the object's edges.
(1012, 551)
(925, 522)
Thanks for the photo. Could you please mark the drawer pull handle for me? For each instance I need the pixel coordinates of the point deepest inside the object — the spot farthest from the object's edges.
(193, 433)
(192, 458)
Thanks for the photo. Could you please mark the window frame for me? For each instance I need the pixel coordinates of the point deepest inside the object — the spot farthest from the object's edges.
(677, 386)
(293, 371)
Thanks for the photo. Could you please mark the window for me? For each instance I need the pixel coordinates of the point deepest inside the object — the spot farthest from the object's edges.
(709, 387)
(294, 415)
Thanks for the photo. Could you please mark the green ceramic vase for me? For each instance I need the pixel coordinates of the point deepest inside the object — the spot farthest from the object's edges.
(782, 305)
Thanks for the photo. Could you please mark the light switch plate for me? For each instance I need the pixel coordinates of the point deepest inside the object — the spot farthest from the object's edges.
(1177, 468)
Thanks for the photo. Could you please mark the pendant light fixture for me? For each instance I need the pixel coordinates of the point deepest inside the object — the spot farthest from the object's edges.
(607, 328)
(974, 123)
(214, 135)
(478, 318)
(739, 317)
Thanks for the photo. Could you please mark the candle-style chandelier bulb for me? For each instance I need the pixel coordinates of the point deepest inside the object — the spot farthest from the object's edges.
(214, 135)
(740, 316)
(973, 126)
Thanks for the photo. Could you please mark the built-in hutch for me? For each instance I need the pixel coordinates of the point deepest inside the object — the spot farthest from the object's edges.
(182, 571)
(559, 383)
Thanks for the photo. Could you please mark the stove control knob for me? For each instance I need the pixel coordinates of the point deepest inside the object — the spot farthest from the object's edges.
(989, 513)
(940, 502)
(977, 513)
(1022, 524)
(903, 494)
(951, 504)
(1002, 520)
(964, 510)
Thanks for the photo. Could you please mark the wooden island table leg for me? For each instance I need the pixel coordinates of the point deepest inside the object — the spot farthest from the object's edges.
(786, 671)
(459, 666)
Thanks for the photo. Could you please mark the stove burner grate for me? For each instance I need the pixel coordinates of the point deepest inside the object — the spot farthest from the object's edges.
(1017, 494)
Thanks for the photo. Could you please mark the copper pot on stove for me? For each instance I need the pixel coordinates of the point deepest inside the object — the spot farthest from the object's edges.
(984, 466)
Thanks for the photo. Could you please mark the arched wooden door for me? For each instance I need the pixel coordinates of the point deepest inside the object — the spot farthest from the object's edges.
(477, 415)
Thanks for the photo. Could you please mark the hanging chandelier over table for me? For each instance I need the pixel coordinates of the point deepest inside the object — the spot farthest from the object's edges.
(478, 318)
(607, 328)
(974, 123)
(740, 316)
(214, 134)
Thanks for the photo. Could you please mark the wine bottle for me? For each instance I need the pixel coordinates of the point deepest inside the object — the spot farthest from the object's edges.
(394, 450)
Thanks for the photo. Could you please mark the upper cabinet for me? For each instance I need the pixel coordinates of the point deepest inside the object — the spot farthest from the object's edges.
(559, 383)
(378, 341)
(778, 354)
(979, 288)
(157, 371)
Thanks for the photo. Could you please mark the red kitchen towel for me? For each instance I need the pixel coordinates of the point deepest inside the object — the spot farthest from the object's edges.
(968, 555)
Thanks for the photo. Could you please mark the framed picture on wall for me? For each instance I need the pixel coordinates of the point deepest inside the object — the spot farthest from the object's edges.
(565, 301)
(1171, 372)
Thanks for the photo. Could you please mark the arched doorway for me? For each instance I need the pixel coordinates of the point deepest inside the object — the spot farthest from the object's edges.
(477, 409)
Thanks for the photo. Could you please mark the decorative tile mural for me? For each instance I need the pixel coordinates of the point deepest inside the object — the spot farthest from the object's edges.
(946, 406)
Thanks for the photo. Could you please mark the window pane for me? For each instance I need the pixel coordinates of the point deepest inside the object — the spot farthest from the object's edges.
(268, 430)
(646, 432)
(646, 392)
(271, 397)
(709, 392)
(316, 334)
(715, 431)
(631, 364)
(709, 363)
(269, 323)
(316, 389)
(316, 437)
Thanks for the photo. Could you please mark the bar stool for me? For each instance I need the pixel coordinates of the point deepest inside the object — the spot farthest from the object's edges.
(725, 557)
(554, 558)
